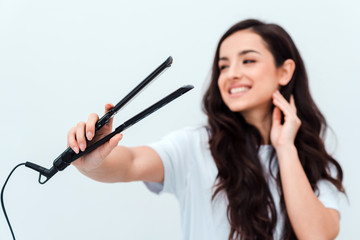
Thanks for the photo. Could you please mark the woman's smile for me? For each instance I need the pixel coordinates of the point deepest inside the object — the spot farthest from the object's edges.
(238, 90)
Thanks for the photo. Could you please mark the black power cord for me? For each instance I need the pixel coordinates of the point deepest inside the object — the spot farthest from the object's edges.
(2, 199)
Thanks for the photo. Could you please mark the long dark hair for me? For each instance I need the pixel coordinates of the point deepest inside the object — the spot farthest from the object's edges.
(234, 144)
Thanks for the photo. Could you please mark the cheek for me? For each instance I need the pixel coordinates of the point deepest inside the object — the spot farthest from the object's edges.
(267, 77)
(221, 85)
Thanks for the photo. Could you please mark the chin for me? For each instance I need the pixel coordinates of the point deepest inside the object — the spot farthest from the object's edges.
(248, 108)
(236, 108)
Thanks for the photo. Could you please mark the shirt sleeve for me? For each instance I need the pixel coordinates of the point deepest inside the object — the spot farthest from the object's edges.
(329, 195)
(176, 154)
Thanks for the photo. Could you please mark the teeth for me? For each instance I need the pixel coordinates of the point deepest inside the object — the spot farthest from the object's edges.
(239, 90)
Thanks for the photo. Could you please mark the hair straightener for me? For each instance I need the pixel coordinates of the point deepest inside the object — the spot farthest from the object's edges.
(68, 156)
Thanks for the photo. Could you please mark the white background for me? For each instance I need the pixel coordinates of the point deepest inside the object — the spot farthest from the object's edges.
(61, 60)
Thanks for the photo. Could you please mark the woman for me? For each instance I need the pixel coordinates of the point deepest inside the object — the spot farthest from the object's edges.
(259, 170)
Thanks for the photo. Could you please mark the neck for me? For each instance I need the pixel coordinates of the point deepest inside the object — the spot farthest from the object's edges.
(262, 121)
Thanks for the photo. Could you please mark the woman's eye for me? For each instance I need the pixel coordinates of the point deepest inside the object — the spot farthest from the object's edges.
(248, 61)
(222, 67)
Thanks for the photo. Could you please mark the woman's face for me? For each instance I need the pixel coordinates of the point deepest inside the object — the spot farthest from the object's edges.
(248, 75)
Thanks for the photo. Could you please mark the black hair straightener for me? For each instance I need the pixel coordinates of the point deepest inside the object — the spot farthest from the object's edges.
(68, 156)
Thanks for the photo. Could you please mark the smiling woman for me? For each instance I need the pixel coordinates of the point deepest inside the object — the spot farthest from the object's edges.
(259, 169)
(284, 198)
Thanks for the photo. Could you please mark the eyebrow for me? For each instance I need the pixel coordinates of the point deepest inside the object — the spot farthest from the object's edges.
(241, 53)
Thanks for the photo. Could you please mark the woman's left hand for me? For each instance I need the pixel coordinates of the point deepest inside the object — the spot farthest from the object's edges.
(284, 134)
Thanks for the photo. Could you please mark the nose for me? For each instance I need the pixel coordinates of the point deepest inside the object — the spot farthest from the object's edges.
(234, 71)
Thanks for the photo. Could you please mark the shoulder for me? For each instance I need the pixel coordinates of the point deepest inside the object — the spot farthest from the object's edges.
(188, 135)
(183, 141)
(182, 152)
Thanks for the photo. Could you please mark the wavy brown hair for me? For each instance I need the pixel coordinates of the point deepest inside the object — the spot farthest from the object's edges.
(234, 144)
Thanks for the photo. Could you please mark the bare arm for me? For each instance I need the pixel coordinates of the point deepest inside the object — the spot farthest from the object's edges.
(125, 164)
(112, 163)
(309, 218)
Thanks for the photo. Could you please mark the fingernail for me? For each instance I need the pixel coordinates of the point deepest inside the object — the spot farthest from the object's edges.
(76, 150)
(89, 135)
(82, 147)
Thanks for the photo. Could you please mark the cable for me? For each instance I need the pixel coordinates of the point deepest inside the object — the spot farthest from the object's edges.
(2, 199)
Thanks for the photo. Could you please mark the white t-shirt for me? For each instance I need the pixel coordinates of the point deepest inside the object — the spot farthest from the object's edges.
(190, 174)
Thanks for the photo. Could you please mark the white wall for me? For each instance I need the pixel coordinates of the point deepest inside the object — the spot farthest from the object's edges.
(61, 60)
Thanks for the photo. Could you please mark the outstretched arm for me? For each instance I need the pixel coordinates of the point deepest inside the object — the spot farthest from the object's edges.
(112, 163)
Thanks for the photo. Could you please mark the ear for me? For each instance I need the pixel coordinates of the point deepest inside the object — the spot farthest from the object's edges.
(286, 72)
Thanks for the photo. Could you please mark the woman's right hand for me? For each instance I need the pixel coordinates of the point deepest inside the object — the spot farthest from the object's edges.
(83, 132)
